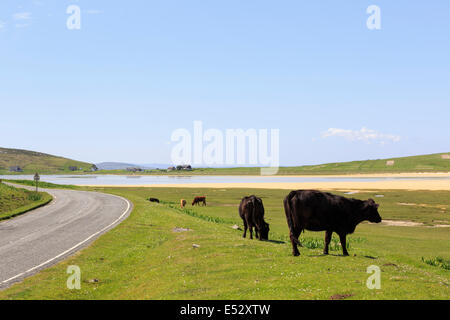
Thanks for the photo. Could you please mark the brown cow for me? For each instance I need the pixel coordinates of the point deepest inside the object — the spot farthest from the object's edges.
(182, 203)
(320, 211)
(251, 210)
(198, 200)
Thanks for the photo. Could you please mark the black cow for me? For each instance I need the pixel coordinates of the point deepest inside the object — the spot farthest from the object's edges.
(251, 210)
(153, 200)
(320, 211)
(198, 200)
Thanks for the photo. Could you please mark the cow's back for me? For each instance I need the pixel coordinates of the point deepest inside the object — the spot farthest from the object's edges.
(314, 210)
(246, 208)
(251, 208)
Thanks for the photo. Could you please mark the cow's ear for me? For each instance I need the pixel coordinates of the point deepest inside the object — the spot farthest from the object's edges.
(369, 203)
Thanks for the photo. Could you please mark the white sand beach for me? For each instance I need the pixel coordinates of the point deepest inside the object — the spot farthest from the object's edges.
(405, 184)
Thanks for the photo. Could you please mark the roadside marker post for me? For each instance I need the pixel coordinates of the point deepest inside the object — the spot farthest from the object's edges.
(36, 179)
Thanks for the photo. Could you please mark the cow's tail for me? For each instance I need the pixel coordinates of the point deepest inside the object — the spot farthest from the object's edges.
(288, 211)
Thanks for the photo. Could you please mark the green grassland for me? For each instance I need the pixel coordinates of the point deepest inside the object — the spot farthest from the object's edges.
(16, 201)
(43, 184)
(425, 163)
(143, 258)
(32, 162)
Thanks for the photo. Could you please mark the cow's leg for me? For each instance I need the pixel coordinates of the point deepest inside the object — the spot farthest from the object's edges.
(294, 240)
(343, 238)
(250, 226)
(328, 235)
(257, 234)
(245, 229)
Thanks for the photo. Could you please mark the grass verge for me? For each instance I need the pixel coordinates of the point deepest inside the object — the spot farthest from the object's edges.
(42, 184)
(16, 201)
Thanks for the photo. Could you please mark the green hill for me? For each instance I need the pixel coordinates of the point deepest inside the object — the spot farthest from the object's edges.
(425, 163)
(439, 162)
(30, 162)
(15, 161)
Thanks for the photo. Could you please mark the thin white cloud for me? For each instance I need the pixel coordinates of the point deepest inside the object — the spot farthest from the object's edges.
(22, 19)
(93, 11)
(2, 24)
(22, 16)
(22, 25)
(365, 135)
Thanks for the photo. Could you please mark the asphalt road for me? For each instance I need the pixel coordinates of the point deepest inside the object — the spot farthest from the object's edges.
(45, 236)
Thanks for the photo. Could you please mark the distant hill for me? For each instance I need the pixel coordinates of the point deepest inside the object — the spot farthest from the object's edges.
(30, 162)
(439, 162)
(15, 161)
(124, 166)
(156, 165)
(116, 166)
(425, 163)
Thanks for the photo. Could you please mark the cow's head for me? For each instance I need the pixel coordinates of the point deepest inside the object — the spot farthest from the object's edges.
(371, 211)
(264, 231)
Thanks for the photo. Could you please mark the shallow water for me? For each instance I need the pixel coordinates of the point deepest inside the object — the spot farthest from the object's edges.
(118, 180)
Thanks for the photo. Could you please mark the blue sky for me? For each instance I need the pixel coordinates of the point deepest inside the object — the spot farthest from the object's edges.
(137, 70)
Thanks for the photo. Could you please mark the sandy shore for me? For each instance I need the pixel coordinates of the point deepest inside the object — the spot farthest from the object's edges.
(382, 175)
(422, 184)
(361, 175)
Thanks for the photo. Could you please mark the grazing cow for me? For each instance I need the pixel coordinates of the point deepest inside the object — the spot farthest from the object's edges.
(153, 200)
(251, 210)
(198, 200)
(182, 203)
(320, 211)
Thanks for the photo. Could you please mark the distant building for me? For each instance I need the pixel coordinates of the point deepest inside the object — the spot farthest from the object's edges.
(15, 169)
(73, 168)
(186, 167)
